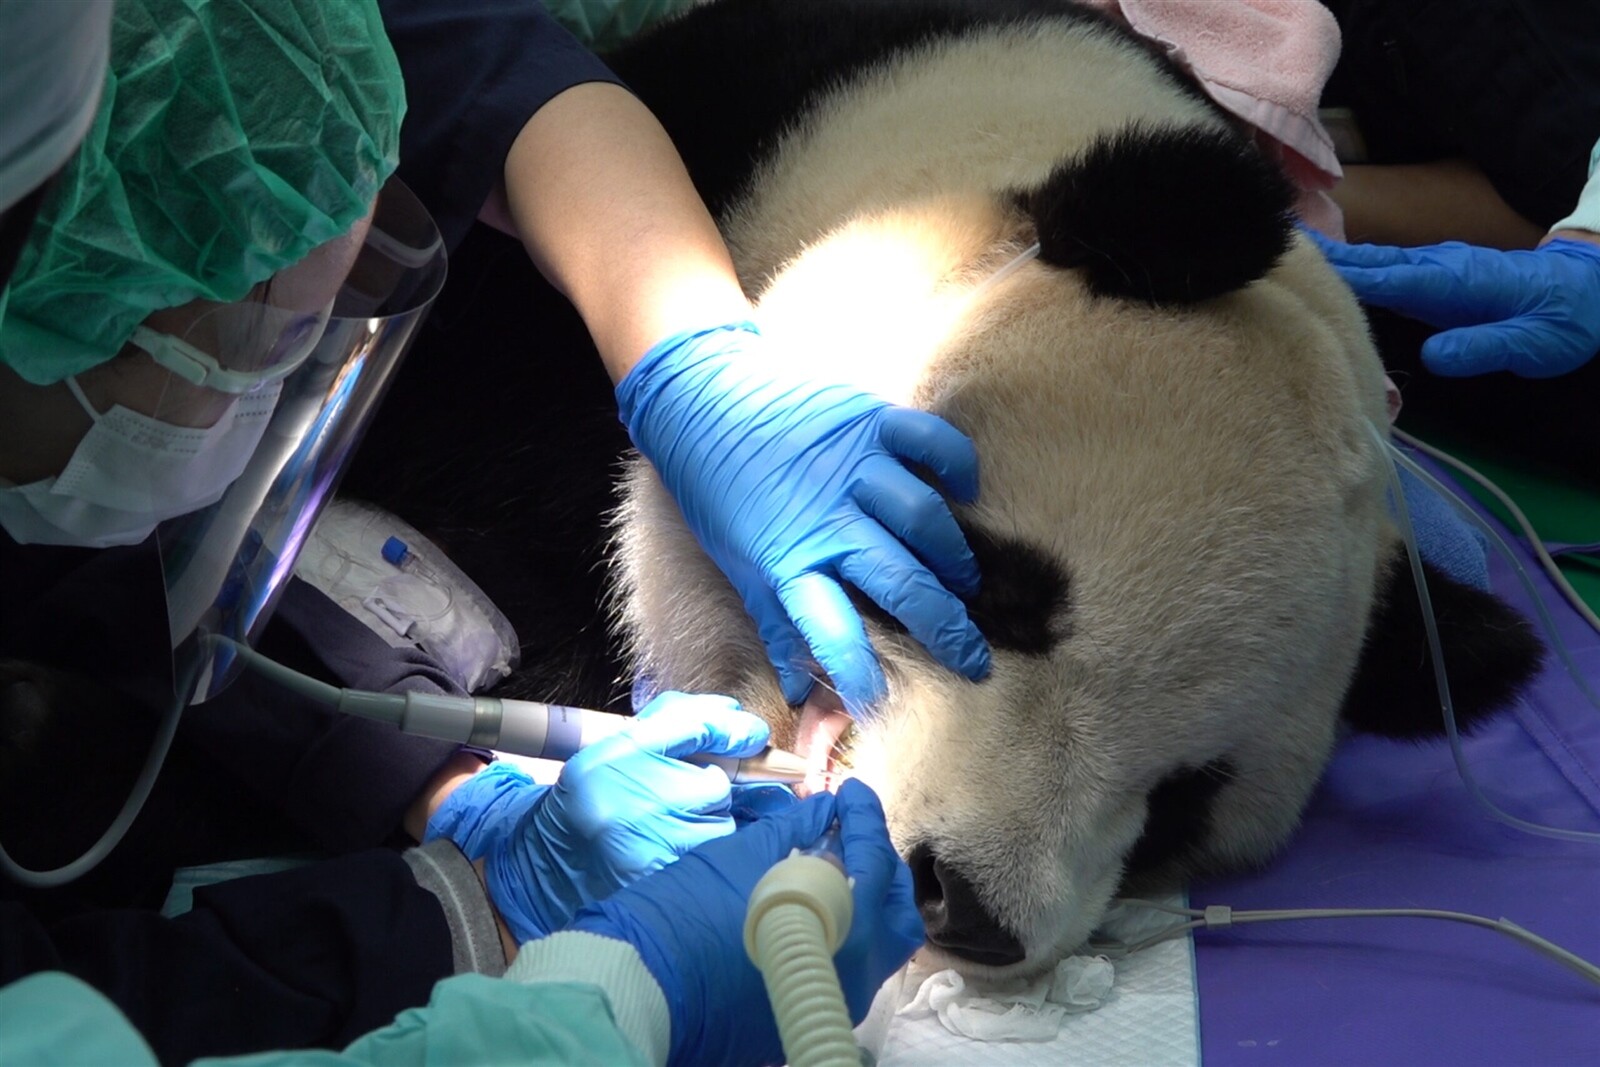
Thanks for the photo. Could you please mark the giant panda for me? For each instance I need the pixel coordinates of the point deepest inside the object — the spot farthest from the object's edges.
(1190, 579)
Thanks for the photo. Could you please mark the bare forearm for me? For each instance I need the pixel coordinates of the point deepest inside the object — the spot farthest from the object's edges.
(1572, 235)
(456, 769)
(1425, 203)
(596, 191)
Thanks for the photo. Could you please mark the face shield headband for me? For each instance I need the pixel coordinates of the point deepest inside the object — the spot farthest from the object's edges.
(264, 344)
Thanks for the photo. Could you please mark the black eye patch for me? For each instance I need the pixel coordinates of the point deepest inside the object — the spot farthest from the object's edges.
(1023, 597)
(1178, 816)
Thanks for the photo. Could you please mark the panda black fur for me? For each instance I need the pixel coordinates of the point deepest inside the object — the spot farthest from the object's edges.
(1182, 526)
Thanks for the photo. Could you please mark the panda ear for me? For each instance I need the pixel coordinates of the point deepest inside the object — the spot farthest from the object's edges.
(1164, 214)
(1490, 652)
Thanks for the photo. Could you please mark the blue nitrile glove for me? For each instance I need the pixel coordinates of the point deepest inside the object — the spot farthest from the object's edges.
(687, 922)
(622, 808)
(797, 487)
(1535, 313)
(750, 802)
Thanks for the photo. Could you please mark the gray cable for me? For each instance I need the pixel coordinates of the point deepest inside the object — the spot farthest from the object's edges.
(382, 706)
(1220, 916)
(91, 856)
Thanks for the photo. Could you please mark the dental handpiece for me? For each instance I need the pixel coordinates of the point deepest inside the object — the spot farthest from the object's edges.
(557, 732)
(517, 727)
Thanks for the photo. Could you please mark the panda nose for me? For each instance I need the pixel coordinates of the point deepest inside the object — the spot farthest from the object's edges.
(957, 921)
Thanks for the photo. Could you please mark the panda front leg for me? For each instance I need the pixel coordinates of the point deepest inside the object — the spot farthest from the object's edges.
(682, 623)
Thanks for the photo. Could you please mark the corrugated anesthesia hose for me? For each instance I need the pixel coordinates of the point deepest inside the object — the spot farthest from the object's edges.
(799, 915)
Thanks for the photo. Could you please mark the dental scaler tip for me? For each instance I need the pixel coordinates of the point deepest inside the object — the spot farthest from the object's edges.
(768, 765)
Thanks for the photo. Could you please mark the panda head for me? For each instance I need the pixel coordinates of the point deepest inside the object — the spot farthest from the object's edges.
(1188, 578)
(1181, 532)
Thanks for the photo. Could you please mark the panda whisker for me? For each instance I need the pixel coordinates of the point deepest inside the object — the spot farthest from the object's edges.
(823, 681)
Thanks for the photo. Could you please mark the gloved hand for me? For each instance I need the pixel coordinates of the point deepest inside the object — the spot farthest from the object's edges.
(621, 808)
(794, 487)
(750, 802)
(687, 922)
(1535, 313)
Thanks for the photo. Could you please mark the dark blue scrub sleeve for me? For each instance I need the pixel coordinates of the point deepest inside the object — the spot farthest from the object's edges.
(475, 73)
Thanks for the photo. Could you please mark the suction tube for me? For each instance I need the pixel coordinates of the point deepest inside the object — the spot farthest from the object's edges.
(798, 917)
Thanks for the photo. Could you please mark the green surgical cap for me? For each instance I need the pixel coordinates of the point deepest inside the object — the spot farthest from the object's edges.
(233, 137)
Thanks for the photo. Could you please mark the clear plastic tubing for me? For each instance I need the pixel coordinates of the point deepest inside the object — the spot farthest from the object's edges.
(1391, 458)
(799, 915)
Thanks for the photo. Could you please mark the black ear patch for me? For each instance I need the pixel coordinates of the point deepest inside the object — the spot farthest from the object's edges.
(1490, 652)
(1168, 215)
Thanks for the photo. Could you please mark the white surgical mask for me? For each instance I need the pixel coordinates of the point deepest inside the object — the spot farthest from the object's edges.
(131, 472)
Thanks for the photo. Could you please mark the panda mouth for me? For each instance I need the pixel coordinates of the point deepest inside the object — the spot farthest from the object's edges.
(822, 739)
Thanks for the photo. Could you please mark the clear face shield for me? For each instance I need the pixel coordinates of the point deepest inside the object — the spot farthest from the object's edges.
(326, 367)
(225, 431)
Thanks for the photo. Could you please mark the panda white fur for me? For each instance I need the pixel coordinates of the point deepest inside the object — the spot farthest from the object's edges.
(1182, 527)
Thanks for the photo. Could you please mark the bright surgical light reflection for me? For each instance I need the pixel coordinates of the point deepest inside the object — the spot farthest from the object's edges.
(892, 304)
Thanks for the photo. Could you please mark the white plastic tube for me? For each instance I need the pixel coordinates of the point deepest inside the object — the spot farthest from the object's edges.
(798, 917)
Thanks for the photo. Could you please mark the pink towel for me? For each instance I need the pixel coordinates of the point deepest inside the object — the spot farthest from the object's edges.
(1264, 61)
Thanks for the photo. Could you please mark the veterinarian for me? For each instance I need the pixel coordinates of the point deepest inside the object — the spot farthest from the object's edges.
(1434, 153)
(179, 203)
(1533, 312)
(138, 229)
